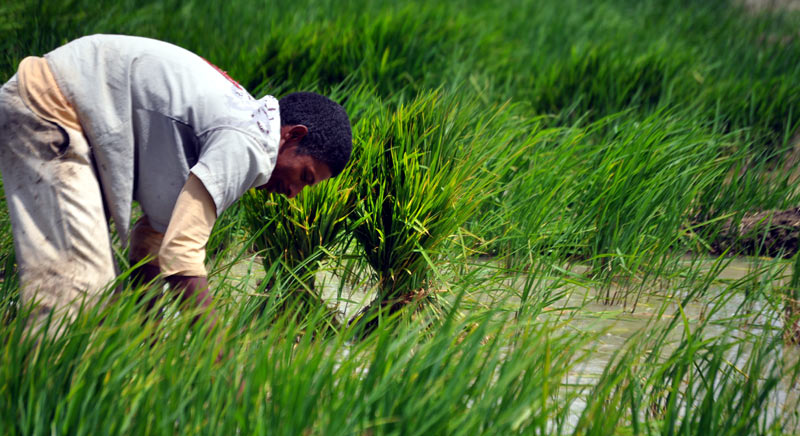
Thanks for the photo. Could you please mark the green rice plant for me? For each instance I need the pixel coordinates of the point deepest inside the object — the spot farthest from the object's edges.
(623, 195)
(294, 237)
(709, 375)
(791, 307)
(6, 240)
(566, 59)
(420, 176)
(106, 375)
(532, 204)
(601, 80)
(391, 49)
(227, 232)
(9, 279)
(638, 189)
(721, 62)
(297, 234)
(635, 130)
(318, 45)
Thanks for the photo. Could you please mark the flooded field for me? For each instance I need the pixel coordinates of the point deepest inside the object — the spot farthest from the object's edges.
(724, 312)
(581, 147)
(737, 317)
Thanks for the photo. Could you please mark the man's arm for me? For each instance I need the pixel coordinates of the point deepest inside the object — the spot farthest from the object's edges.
(182, 253)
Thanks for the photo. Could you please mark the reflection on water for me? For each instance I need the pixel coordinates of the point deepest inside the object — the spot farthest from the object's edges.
(724, 304)
(726, 312)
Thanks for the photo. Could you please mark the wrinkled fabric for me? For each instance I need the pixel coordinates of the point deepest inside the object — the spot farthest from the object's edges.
(153, 112)
(39, 91)
(61, 235)
(182, 250)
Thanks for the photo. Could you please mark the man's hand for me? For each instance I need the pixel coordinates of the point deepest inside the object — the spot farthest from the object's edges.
(194, 291)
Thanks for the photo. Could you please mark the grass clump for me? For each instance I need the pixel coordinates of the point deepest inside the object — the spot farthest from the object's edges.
(110, 377)
(540, 176)
(295, 236)
(421, 177)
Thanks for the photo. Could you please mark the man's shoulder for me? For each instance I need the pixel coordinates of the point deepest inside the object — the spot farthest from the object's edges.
(245, 115)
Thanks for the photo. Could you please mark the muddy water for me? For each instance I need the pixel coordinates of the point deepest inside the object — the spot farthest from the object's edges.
(728, 311)
(614, 325)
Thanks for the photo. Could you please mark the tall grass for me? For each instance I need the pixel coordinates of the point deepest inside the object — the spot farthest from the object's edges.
(507, 157)
(295, 236)
(111, 378)
(422, 174)
(114, 371)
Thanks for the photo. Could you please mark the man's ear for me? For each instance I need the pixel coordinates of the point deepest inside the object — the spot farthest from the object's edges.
(292, 134)
(296, 132)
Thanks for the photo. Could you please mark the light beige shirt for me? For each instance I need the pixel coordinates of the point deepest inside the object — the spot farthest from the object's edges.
(154, 113)
(182, 249)
(39, 91)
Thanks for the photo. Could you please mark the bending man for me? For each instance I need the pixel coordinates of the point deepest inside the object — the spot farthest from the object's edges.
(107, 120)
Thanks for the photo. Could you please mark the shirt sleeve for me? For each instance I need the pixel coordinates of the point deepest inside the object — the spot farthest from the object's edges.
(230, 163)
(144, 242)
(183, 250)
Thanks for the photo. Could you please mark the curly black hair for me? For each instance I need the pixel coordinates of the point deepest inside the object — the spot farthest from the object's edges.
(330, 137)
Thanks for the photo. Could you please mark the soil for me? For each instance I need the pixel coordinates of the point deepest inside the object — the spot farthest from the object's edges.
(774, 232)
(769, 233)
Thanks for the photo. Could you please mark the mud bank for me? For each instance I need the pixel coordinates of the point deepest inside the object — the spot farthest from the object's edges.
(769, 233)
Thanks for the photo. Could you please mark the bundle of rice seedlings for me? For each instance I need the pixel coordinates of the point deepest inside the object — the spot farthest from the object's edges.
(294, 236)
(420, 176)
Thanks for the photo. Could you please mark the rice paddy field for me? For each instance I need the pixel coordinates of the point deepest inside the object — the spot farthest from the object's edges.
(546, 228)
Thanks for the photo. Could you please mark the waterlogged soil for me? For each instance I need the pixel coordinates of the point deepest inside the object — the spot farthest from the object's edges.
(618, 325)
(770, 233)
(614, 325)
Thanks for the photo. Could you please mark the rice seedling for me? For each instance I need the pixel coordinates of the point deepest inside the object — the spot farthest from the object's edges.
(421, 176)
(526, 159)
(393, 51)
(110, 377)
(298, 234)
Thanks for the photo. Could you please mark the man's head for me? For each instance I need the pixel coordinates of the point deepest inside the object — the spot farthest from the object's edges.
(315, 144)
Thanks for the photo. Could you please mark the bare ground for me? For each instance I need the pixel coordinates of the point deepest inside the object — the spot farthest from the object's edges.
(769, 233)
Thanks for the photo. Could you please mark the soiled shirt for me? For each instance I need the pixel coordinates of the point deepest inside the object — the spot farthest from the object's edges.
(154, 112)
(182, 251)
(39, 91)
